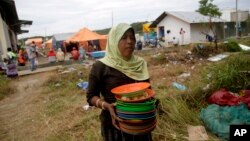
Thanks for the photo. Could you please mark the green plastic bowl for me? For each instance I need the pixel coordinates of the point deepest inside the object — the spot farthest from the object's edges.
(136, 107)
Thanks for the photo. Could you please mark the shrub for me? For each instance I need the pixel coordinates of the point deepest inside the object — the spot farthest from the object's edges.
(232, 74)
(204, 50)
(232, 46)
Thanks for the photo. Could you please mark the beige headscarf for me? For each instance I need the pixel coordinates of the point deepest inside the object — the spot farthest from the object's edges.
(135, 67)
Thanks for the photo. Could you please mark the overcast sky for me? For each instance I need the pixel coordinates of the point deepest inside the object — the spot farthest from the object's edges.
(62, 16)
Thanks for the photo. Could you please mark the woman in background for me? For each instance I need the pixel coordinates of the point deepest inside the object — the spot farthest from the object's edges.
(60, 55)
(51, 56)
(11, 69)
(75, 54)
(21, 59)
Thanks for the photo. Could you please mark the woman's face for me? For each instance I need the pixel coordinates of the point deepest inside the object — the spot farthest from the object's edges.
(127, 44)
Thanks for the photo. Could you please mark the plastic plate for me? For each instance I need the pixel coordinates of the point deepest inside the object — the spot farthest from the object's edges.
(130, 88)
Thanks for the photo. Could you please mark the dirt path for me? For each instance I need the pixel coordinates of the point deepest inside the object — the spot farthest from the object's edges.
(18, 108)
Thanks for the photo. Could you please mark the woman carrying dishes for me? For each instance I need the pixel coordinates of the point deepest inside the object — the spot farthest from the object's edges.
(119, 67)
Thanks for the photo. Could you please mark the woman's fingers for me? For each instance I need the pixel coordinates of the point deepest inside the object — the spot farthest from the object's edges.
(118, 119)
(114, 122)
(115, 119)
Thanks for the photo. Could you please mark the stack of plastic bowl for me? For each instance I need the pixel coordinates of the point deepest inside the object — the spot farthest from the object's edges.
(136, 106)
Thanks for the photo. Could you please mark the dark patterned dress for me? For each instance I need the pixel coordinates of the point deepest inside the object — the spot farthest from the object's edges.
(102, 79)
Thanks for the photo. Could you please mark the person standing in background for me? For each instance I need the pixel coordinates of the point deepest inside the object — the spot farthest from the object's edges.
(11, 55)
(11, 69)
(33, 45)
(21, 59)
(51, 56)
(75, 54)
(139, 45)
(82, 52)
(60, 55)
(182, 32)
(31, 50)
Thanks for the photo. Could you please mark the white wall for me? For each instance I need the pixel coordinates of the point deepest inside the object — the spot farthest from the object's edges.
(1, 35)
(242, 16)
(4, 38)
(226, 14)
(174, 25)
(196, 30)
(230, 15)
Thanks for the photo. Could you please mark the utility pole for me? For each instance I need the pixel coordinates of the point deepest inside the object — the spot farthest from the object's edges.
(45, 34)
(236, 22)
(112, 18)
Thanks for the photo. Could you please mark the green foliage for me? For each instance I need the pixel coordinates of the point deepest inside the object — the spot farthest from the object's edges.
(232, 74)
(232, 46)
(103, 31)
(208, 9)
(174, 117)
(136, 26)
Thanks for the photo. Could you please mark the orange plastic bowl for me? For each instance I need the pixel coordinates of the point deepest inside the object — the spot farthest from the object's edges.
(130, 89)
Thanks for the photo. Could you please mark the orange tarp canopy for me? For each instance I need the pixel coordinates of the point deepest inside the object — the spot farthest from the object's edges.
(48, 44)
(38, 41)
(84, 35)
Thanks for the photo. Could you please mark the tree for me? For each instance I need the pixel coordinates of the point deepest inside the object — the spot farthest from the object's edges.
(206, 8)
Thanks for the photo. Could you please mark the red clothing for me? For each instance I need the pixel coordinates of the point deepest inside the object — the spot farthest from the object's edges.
(75, 54)
(51, 53)
(224, 97)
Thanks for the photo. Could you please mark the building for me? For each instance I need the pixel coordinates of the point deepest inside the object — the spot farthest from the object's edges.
(229, 15)
(187, 27)
(10, 27)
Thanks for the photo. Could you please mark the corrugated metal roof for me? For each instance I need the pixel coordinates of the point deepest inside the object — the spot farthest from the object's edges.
(193, 17)
(63, 36)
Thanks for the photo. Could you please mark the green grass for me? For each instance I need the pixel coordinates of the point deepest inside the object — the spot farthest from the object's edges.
(177, 109)
(232, 74)
(232, 46)
(172, 123)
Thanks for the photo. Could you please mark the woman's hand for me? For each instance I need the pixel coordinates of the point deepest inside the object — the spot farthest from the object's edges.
(115, 119)
(106, 106)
